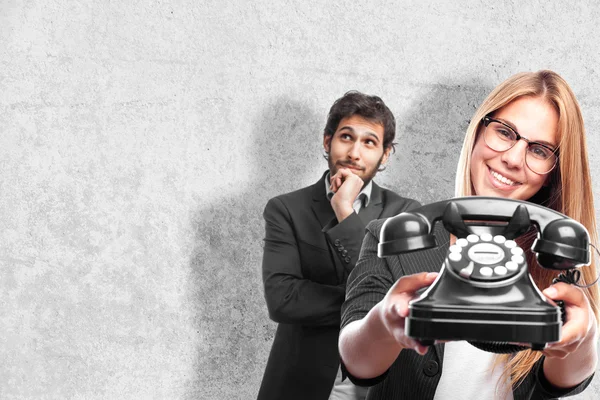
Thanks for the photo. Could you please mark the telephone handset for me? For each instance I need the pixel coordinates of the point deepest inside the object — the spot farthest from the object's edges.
(484, 293)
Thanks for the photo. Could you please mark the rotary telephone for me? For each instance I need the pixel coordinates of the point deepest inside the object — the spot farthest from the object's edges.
(484, 293)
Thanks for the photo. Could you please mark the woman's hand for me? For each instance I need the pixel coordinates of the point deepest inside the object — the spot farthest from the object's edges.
(394, 308)
(580, 326)
(574, 358)
(369, 346)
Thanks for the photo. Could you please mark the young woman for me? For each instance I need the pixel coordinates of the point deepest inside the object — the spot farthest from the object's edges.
(525, 142)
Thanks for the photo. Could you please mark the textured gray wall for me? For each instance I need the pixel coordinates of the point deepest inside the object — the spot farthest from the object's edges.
(140, 141)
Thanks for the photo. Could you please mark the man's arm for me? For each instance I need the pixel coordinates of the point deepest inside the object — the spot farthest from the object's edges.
(346, 232)
(346, 238)
(290, 297)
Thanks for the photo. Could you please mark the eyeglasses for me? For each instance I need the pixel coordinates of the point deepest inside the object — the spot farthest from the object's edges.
(540, 158)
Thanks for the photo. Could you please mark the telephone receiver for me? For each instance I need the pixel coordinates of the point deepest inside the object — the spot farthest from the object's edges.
(484, 293)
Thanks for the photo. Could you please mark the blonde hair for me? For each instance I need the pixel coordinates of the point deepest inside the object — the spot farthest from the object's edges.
(569, 184)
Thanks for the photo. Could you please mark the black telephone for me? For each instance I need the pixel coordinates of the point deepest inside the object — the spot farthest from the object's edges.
(484, 293)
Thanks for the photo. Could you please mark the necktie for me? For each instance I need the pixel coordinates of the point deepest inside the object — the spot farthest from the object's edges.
(358, 204)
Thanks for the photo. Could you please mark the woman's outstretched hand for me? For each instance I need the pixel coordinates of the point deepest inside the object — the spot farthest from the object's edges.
(369, 346)
(394, 308)
(574, 358)
(580, 326)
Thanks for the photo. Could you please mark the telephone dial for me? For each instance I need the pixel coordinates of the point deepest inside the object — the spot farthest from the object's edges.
(484, 293)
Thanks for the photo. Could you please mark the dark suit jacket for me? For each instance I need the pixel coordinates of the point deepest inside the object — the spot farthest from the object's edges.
(413, 376)
(307, 259)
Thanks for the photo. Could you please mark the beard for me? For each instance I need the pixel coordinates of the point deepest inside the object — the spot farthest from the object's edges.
(367, 176)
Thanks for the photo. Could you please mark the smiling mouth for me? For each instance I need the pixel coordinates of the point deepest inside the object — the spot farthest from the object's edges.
(502, 179)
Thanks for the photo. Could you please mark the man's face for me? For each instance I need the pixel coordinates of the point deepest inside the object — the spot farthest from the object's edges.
(357, 144)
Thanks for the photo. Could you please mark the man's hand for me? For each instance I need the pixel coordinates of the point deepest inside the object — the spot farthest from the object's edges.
(346, 185)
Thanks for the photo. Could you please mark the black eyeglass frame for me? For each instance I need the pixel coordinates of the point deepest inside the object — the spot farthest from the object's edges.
(486, 121)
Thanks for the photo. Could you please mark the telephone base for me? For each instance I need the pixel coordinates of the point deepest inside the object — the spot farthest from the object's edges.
(535, 327)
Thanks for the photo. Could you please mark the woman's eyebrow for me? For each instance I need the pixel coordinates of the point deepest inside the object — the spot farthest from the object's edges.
(514, 128)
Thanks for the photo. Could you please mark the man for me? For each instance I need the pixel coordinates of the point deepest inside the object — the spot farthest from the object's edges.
(312, 242)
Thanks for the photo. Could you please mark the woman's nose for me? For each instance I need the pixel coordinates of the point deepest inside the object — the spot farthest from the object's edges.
(515, 156)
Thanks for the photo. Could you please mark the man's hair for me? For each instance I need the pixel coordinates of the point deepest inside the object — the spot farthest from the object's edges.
(371, 108)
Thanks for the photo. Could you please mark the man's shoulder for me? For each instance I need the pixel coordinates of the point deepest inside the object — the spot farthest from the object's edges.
(296, 195)
(294, 199)
(389, 196)
(393, 196)
(394, 204)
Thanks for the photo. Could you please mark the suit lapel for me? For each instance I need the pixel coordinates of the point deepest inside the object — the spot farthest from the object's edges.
(321, 207)
(320, 204)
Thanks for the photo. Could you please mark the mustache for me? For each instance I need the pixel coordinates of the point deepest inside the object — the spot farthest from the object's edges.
(350, 164)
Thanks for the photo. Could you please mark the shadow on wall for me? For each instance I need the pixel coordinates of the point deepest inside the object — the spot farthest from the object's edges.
(225, 285)
(430, 136)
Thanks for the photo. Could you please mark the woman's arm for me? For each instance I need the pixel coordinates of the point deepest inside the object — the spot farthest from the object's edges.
(574, 358)
(369, 346)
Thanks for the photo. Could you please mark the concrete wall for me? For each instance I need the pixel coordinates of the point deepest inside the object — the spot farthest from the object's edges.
(140, 141)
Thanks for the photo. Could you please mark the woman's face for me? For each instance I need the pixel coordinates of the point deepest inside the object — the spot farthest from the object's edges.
(505, 174)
